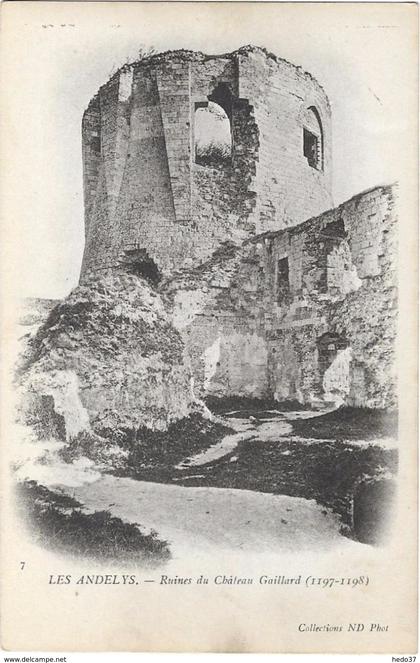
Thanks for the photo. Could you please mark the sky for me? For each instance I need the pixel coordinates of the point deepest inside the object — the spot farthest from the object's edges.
(56, 55)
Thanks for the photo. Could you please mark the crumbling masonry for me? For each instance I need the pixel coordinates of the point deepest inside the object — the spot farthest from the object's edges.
(274, 296)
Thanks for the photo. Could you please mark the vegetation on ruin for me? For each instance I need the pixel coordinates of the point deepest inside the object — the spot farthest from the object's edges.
(213, 154)
(114, 340)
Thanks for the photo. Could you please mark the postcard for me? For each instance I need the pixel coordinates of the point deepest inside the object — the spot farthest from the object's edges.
(209, 327)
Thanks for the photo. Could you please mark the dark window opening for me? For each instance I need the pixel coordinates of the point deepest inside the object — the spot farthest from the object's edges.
(334, 230)
(223, 97)
(313, 139)
(334, 257)
(311, 148)
(138, 262)
(283, 285)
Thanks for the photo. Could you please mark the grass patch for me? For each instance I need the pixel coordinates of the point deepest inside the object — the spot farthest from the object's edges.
(316, 461)
(152, 455)
(325, 471)
(348, 423)
(57, 522)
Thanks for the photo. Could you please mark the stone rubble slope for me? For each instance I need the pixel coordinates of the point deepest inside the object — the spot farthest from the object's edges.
(108, 357)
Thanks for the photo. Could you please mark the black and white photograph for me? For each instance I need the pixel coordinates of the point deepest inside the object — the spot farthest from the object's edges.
(209, 315)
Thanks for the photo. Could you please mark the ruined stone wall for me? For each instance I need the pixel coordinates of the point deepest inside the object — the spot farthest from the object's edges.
(142, 186)
(304, 313)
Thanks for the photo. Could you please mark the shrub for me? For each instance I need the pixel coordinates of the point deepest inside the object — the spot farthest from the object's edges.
(213, 154)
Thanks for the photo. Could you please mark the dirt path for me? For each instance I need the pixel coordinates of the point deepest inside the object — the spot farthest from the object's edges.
(216, 520)
(218, 450)
(272, 427)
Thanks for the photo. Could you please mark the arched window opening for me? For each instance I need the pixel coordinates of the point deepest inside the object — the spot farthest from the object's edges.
(212, 134)
(313, 140)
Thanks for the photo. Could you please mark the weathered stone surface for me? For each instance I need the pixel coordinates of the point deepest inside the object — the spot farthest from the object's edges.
(108, 357)
(325, 326)
(142, 186)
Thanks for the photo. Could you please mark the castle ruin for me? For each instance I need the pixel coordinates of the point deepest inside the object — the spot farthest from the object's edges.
(276, 293)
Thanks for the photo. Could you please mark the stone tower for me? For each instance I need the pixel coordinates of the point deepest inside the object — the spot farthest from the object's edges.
(148, 189)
